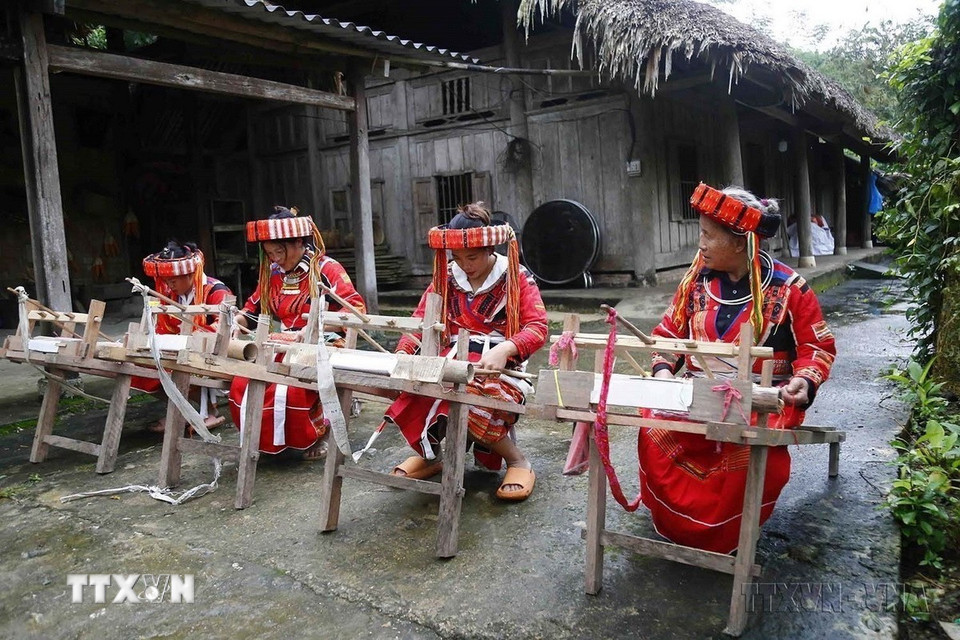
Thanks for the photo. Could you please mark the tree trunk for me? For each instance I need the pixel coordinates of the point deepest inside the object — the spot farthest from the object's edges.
(947, 366)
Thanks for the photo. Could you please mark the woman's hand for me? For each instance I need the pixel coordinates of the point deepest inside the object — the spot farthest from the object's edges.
(796, 392)
(496, 358)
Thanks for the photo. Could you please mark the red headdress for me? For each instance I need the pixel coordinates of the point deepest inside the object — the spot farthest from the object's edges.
(442, 239)
(159, 267)
(285, 229)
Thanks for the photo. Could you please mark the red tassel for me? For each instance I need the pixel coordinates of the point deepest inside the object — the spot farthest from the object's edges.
(578, 457)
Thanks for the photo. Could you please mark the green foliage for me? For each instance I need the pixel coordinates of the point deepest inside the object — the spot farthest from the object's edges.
(94, 36)
(924, 497)
(859, 60)
(923, 229)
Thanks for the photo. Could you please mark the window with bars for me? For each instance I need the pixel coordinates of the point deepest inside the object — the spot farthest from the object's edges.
(452, 191)
(455, 95)
(688, 177)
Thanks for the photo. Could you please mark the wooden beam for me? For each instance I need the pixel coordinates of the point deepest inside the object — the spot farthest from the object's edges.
(362, 209)
(388, 480)
(224, 50)
(676, 84)
(90, 448)
(41, 172)
(108, 65)
(517, 100)
(803, 209)
(867, 221)
(729, 134)
(673, 552)
(840, 202)
(219, 25)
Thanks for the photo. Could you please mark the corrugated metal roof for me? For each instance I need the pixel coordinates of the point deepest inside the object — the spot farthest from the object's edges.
(344, 32)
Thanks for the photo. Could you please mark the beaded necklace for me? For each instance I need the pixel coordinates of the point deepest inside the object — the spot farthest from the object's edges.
(764, 258)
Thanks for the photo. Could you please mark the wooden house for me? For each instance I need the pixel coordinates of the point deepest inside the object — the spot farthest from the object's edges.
(130, 123)
(621, 105)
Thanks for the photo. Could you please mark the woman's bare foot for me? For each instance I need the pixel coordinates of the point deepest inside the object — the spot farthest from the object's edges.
(158, 427)
(317, 452)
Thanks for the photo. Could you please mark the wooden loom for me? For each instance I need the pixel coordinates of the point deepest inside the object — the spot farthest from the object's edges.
(425, 374)
(70, 351)
(575, 390)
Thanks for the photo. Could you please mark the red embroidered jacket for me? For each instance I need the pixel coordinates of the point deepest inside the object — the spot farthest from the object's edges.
(214, 292)
(483, 314)
(794, 327)
(289, 308)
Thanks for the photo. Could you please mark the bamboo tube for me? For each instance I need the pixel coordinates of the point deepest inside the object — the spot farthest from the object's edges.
(242, 350)
(458, 371)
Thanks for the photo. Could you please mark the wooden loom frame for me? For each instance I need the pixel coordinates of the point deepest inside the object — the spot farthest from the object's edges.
(77, 353)
(199, 360)
(759, 438)
(450, 488)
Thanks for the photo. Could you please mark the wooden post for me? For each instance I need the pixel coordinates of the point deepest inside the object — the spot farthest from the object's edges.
(747, 546)
(596, 521)
(744, 362)
(865, 212)
(730, 141)
(91, 328)
(111, 431)
(313, 131)
(840, 199)
(252, 419)
(517, 104)
(454, 452)
(170, 457)
(332, 481)
(803, 209)
(362, 210)
(48, 413)
(41, 172)
(834, 465)
(596, 507)
(766, 380)
(430, 338)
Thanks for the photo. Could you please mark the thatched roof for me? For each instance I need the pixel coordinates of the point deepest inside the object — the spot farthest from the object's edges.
(638, 41)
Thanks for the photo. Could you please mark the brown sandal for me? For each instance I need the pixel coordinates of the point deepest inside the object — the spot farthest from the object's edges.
(418, 468)
(526, 478)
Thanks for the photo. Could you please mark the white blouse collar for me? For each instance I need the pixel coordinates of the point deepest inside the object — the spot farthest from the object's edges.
(463, 283)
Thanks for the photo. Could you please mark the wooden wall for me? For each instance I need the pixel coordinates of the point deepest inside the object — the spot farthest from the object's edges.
(601, 145)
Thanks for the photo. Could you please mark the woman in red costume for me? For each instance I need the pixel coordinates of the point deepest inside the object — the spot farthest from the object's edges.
(293, 263)
(693, 486)
(177, 273)
(498, 302)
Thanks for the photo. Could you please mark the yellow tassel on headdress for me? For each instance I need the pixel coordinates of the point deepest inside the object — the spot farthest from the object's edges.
(263, 282)
(756, 286)
(199, 297)
(684, 289)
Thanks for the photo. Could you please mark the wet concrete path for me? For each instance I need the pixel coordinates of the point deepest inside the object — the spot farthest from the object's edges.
(266, 572)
